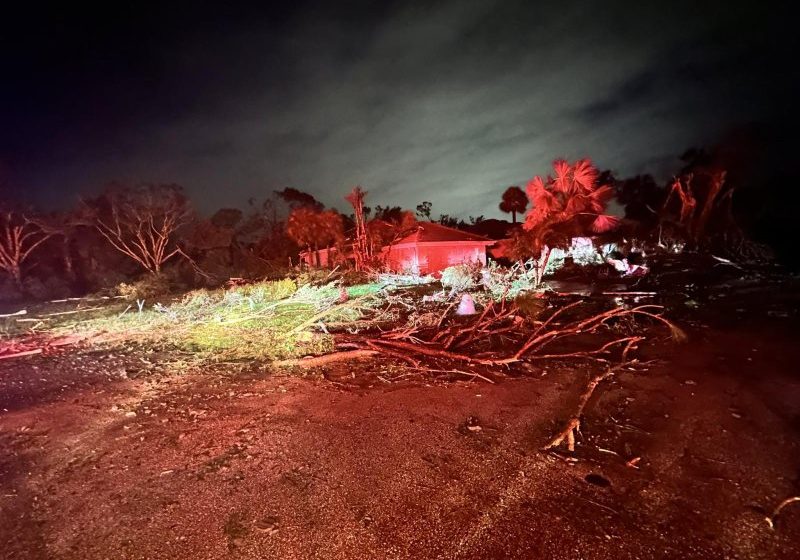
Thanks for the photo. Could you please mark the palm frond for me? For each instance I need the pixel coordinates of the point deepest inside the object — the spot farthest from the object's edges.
(563, 182)
(534, 186)
(604, 223)
(584, 175)
(577, 204)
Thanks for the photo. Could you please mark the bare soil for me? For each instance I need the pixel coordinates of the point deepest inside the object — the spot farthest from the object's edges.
(132, 454)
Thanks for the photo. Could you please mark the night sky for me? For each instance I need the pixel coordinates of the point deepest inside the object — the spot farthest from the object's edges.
(443, 101)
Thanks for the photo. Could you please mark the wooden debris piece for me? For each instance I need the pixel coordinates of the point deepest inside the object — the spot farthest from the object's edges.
(325, 359)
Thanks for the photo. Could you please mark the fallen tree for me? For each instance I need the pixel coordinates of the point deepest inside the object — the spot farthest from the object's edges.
(478, 341)
(503, 335)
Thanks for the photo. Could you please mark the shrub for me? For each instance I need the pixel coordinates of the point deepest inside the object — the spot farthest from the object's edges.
(461, 277)
(147, 287)
(509, 283)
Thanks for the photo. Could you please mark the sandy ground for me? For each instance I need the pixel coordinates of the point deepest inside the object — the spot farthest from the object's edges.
(111, 456)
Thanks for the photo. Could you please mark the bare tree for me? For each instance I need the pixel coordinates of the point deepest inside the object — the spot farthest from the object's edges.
(693, 216)
(19, 237)
(361, 246)
(142, 222)
(64, 226)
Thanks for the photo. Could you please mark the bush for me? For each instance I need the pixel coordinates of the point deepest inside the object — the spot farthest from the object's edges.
(461, 277)
(510, 282)
(147, 287)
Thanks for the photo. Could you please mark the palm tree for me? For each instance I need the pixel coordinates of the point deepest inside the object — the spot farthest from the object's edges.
(571, 204)
(514, 200)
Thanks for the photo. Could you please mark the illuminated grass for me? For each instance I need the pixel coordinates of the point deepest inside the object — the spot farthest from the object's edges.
(240, 335)
(266, 320)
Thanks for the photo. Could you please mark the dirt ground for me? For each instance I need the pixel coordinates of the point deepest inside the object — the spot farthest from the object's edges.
(138, 455)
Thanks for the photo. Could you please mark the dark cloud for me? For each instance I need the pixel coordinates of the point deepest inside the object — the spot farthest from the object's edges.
(441, 101)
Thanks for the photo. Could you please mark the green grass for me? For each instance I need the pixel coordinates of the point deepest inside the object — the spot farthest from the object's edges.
(267, 337)
(268, 320)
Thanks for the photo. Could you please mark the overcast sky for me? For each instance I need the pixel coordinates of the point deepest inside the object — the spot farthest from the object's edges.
(443, 101)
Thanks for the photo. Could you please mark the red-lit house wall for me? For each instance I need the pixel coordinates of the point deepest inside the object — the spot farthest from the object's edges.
(310, 258)
(427, 258)
(403, 259)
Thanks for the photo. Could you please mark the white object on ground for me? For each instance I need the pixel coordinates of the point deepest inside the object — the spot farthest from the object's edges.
(466, 306)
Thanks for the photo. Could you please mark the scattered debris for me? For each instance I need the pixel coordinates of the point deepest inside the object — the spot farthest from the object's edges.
(269, 525)
(770, 519)
(573, 425)
(597, 480)
(15, 314)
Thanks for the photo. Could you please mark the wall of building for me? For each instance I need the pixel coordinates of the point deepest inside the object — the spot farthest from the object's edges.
(403, 260)
(427, 259)
(437, 258)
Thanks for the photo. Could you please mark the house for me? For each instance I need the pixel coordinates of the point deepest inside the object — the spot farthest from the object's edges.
(430, 247)
(324, 258)
(424, 249)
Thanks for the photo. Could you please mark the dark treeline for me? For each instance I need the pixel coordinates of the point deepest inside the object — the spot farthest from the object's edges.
(722, 199)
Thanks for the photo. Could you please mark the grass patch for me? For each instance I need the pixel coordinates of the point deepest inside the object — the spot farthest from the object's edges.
(265, 337)
(269, 320)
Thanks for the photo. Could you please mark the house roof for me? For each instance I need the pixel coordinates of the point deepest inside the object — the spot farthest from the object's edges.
(430, 232)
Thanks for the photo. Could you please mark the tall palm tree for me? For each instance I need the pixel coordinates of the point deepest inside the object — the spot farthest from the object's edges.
(514, 200)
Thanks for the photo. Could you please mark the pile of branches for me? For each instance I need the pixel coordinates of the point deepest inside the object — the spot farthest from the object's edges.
(502, 335)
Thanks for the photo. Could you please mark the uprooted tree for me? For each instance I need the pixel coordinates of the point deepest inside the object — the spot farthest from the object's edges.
(142, 222)
(19, 237)
(572, 203)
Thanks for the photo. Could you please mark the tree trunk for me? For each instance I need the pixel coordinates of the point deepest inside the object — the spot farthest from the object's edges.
(16, 274)
(514, 217)
(69, 267)
(544, 257)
